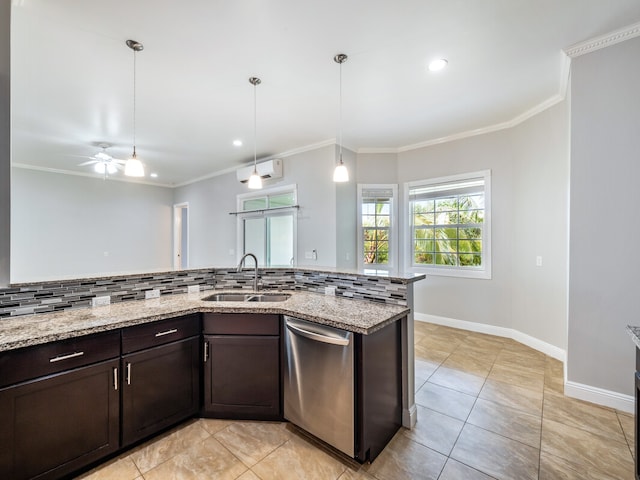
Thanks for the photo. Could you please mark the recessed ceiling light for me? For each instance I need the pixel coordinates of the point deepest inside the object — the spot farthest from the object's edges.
(154, 175)
(237, 143)
(438, 64)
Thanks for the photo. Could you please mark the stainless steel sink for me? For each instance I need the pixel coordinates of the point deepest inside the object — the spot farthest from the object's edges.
(247, 297)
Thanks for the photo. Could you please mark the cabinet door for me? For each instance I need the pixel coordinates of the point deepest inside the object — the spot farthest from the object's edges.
(60, 423)
(242, 377)
(160, 388)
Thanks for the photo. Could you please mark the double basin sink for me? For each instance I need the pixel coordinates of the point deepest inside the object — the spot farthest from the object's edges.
(247, 297)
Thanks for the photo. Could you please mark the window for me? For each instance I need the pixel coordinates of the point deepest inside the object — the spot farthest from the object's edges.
(377, 233)
(450, 227)
(267, 226)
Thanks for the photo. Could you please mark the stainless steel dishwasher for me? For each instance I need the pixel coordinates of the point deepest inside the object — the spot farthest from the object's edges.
(319, 382)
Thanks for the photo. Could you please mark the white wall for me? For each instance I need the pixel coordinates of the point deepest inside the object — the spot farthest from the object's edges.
(605, 170)
(5, 135)
(61, 226)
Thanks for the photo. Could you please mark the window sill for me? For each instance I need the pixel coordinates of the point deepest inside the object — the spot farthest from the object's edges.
(451, 272)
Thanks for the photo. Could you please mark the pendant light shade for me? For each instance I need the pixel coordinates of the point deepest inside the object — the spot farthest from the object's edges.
(133, 167)
(255, 181)
(340, 174)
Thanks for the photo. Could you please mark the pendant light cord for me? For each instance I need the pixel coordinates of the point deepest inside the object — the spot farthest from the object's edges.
(255, 128)
(134, 103)
(340, 114)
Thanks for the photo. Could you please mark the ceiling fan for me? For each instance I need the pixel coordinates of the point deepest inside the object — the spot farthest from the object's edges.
(103, 163)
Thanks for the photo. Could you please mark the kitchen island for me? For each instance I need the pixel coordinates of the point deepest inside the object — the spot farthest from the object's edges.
(88, 361)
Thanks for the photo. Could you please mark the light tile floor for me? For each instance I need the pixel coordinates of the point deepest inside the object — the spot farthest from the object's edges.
(488, 407)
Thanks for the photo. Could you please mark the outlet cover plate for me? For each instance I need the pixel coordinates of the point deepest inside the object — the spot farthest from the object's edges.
(193, 289)
(155, 293)
(101, 301)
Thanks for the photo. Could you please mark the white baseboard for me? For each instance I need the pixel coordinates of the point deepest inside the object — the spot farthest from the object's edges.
(619, 401)
(599, 396)
(410, 417)
(528, 340)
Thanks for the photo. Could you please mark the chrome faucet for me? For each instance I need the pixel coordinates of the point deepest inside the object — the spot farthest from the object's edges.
(255, 274)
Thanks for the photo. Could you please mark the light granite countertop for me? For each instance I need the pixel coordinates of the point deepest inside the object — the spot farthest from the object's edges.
(634, 332)
(354, 315)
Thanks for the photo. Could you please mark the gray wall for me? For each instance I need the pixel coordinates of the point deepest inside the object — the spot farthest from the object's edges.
(213, 230)
(5, 135)
(604, 263)
(346, 215)
(63, 224)
(530, 185)
(541, 225)
(473, 300)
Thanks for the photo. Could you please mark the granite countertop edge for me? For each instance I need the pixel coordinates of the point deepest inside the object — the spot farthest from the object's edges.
(357, 316)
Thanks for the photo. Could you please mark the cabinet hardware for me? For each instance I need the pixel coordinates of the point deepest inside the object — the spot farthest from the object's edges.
(167, 332)
(115, 378)
(206, 351)
(128, 373)
(65, 357)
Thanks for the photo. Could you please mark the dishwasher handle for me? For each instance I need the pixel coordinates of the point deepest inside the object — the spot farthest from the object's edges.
(317, 336)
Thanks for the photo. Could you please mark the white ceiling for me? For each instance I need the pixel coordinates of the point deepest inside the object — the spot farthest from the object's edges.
(72, 74)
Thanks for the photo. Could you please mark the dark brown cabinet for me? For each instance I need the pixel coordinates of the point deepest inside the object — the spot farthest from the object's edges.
(62, 412)
(160, 377)
(242, 366)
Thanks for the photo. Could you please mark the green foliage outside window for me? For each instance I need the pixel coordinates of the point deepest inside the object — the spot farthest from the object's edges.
(447, 230)
(376, 221)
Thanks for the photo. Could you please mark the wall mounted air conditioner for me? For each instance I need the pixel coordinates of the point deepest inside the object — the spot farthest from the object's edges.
(268, 169)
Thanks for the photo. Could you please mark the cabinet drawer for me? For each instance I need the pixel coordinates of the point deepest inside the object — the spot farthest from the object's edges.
(241, 324)
(40, 360)
(158, 333)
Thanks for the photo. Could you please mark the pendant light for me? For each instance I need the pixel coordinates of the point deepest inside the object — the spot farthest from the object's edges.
(340, 174)
(255, 182)
(133, 167)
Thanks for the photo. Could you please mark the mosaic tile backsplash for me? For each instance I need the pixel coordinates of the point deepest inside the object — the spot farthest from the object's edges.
(27, 299)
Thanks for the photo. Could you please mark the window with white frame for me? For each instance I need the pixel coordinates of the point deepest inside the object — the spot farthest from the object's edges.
(267, 225)
(450, 225)
(377, 231)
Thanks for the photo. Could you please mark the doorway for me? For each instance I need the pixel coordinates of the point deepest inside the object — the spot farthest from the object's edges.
(181, 236)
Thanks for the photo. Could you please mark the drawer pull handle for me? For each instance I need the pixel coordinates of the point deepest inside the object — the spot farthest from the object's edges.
(167, 332)
(206, 351)
(59, 358)
(115, 378)
(128, 373)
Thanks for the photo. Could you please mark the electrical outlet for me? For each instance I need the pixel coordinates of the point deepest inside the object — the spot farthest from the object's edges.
(330, 291)
(155, 293)
(193, 289)
(538, 261)
(100, 301)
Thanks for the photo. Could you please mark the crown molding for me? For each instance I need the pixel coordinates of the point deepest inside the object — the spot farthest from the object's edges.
(603, 41)
(96, 176)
